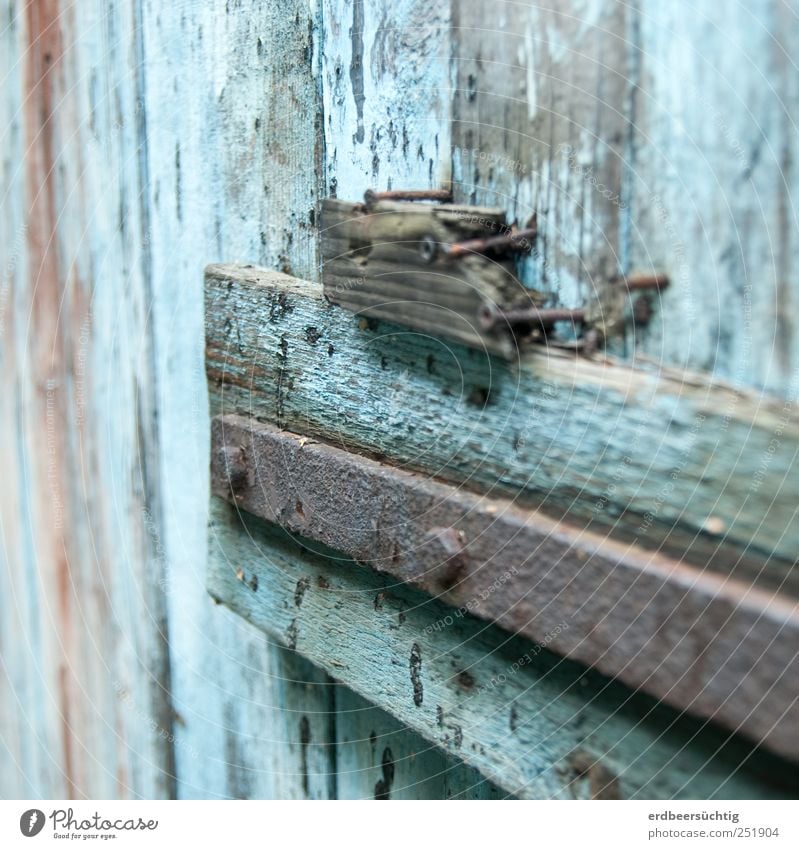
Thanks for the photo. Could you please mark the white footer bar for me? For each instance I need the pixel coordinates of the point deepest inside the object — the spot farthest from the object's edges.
(234, 824)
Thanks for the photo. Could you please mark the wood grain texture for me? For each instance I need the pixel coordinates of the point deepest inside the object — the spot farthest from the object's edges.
(717, 648)
(86, 711)
(142, 140)
(378, 757)
(170, 136)
(26, 769)
(373, 265)
(651, 137)
(234, 151)
(386, 86)
(539, 726)
(713, 185)
(663, 458)
(386, 95)
(540, 126)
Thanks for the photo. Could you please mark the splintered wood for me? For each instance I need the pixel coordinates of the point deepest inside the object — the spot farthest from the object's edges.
(389, 260)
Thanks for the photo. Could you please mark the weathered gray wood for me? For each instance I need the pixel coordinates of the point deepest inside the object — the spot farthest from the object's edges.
(83, 633)
(665, 458)
(713, 185)
(539, 726)
(541, 126)
(652, 622)
(234, 151)
(373, 266)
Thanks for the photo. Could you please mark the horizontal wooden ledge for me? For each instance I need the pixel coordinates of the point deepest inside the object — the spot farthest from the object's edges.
(669, 460)
(711, 645)
(537, 725)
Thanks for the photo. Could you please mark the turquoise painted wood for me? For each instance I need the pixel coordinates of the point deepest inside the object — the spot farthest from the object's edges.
(713, 186)
(656, 137)
(541, 123)
(247, 185)
(589, 439)
(85, 708)
(539, 726)
(142, 140)
(379, 757)
(233, 152)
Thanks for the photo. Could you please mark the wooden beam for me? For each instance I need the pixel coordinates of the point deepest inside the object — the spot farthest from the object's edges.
(715, 647)
(537, 725)
(669, 460)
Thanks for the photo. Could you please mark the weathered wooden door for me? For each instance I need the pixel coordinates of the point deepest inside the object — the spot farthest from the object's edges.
(143, 141)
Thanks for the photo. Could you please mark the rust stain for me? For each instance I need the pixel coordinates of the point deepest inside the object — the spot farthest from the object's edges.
(44, 58)
(602, 782)
(68, 762)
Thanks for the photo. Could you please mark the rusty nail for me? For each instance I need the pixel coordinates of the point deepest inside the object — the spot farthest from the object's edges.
(489, 316)
(640, 282)
(518, 240)
(371, 197)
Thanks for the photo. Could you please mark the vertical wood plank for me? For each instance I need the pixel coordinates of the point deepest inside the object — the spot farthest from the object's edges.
(26, 768)
(378, 758)
(85, 645)
(386, 94)
(234, 152)
(540, 127)
(713, 182)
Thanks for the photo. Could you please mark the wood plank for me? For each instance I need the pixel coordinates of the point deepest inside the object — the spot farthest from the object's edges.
(716, 648)
(541, 125)
(713, 186)
(85, 710)
(25, 771)
(235, 172)
(667, 459)
(386, 92)
(234, 145)
(385, 77)
(537, 725)
(372, 265)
